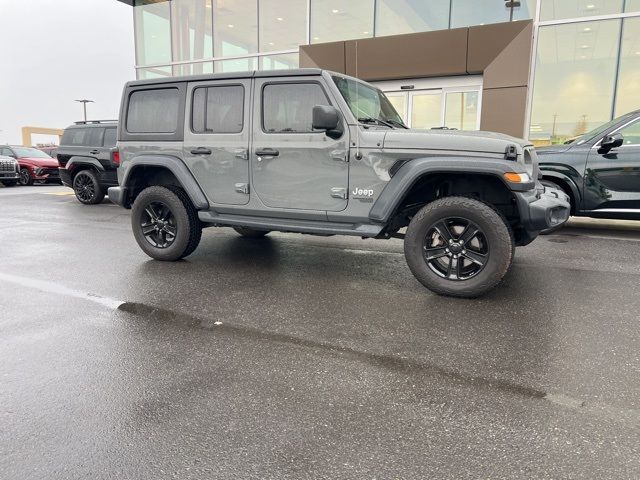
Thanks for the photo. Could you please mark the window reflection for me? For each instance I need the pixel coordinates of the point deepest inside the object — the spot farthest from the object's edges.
(394, 17)
(632, 6)
(191, 33)
(426, 110)
(235, 27)
(525, 11)
(574, 79)
(628, 93)
(239, 65)
(153, 32)
(153, 72)
(279, 62)
(332, 21)
(465, 13)
(558, 9)
(283, 24)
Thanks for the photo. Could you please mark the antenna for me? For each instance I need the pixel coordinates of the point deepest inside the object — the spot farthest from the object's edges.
(358, 154)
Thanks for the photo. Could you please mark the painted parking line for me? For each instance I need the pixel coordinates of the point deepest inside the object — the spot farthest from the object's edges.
(58, 194)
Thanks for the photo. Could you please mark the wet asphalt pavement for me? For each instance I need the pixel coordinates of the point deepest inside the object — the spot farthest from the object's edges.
(305, 357)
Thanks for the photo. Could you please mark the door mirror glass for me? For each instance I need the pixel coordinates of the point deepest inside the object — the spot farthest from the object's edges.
(611, 141)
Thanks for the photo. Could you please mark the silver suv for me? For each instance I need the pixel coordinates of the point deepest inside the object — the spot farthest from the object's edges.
(317, 152)
(9, 171)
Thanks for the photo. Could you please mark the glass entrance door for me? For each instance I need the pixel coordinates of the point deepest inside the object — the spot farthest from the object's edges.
(452, 102)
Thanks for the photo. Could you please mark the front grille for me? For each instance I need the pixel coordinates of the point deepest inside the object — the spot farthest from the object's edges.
(6, 166)
(49, 171)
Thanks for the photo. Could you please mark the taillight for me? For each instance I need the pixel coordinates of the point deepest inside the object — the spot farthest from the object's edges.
(116, 157)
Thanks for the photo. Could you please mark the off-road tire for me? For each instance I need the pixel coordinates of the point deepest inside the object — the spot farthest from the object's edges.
(9, 183)
(549, 183)
(492, 224)
(98, 192)
(188, 225)
(25, 178)
(250, 232)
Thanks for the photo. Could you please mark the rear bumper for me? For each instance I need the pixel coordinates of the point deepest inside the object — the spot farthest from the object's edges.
(65, 177)
(118, 195)
(541, 210)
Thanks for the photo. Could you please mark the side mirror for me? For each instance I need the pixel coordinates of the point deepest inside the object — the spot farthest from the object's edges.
(611, 141)
(327, 118)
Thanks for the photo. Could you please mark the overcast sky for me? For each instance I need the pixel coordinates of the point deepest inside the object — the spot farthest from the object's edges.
(55, 51)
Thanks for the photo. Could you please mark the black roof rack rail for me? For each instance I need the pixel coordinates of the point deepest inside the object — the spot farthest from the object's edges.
(88, 122)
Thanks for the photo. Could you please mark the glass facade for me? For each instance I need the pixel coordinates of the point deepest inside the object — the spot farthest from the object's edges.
(188, 37)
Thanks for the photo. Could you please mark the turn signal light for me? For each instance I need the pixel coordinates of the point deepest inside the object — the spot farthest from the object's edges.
(517, 177)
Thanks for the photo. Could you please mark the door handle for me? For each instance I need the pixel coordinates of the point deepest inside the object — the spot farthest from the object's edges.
(201, 151)
(267, 152)
(94, 152)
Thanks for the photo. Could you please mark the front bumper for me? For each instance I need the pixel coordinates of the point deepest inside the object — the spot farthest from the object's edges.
(542, 209)
(9, 176)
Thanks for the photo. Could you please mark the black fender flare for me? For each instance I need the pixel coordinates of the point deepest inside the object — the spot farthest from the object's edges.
(575, 191)
(409, 173)
(78, 160)
(176, 166)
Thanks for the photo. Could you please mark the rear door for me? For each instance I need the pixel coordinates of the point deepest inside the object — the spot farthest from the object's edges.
(216, 138)
(293, 166)
(612, 178)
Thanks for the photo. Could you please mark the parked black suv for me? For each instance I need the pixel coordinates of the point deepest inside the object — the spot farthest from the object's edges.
(89, 159)
(600, 170)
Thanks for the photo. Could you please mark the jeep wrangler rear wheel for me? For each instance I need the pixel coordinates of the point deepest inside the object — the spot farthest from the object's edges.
(458, 246)
(250, 232)
(87, 188)
(165, 223)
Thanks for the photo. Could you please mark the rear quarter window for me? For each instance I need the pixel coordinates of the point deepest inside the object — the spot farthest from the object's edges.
(153, 111)
(75, 137)
(110, 137)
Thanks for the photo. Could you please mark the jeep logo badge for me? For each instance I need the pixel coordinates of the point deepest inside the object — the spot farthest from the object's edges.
(362, 192)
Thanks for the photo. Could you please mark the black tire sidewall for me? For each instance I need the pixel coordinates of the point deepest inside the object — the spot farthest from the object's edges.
(98, 191)
(492, 224)
(28, 182)
(183, 227)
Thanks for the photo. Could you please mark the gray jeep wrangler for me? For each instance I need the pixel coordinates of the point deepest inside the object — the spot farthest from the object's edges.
(316, 152)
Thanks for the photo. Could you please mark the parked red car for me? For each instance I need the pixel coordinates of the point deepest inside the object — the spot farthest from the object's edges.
(35, 165)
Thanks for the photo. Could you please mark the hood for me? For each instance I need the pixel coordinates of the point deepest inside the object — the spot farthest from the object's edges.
(39, 162)
(452, 140)
(553, 149)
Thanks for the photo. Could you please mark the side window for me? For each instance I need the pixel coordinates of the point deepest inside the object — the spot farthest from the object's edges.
(75, 137)
(153, 111)
(94, 137)
(288, 107)
(631, 134)
(218, 109)
(110, 137)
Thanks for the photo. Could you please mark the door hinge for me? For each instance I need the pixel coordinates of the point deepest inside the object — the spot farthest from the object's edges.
(340, 155)
(242, 153)
(339, 192)
(242, 188)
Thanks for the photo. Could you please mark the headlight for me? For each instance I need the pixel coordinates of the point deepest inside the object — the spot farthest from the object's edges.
(514, 177)
(37, 170)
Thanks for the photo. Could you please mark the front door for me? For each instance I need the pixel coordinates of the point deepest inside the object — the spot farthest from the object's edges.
(216, 139)
(293, 166)
(612, 178)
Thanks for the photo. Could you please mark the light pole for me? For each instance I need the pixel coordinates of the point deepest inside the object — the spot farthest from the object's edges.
(84, 105)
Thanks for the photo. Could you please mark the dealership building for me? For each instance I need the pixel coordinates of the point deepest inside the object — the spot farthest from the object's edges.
(546, 70)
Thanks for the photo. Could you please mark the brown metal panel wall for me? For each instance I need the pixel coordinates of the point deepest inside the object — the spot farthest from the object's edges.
(501, 52)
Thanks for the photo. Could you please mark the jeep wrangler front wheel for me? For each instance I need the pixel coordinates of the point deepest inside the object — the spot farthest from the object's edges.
(458, 246)
(165, 223)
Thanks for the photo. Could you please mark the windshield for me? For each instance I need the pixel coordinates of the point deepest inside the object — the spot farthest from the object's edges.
(600, 130)
(29, 152)
(367, 102)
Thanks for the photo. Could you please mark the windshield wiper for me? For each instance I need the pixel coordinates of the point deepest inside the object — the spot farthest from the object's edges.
(376, 121)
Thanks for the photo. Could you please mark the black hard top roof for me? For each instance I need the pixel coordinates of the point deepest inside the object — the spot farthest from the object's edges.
(300, 72)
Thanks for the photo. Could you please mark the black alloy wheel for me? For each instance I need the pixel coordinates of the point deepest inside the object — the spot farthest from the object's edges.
(25, 177)
(87, 188)
(456, 249)
(459, 246)
(158, 225)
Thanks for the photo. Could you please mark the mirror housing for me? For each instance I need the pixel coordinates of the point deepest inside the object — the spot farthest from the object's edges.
(611, 141)
(327, 118)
